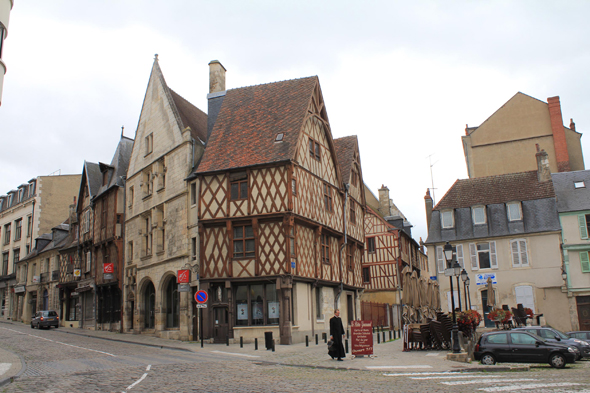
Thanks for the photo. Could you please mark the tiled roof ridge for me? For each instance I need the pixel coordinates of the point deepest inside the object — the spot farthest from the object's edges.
(273, 83)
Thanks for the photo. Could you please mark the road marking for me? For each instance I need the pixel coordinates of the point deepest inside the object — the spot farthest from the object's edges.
(461, 375)
(512, 388)
(59, 342)
(236, 354)
(140, 379)
(432, 354)
(398, 367)
(456, 376)
(4, 367)
(474, 381)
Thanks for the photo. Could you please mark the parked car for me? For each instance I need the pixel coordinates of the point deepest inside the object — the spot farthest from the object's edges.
(581, 335)
(554, 335)
(521, 347)
(45, 319)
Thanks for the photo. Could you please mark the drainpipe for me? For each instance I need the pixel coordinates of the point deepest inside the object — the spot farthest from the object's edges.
(346, 187)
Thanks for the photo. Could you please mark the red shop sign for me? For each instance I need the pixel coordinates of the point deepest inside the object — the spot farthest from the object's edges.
(108, 268)
(183, 276)
(362, 337)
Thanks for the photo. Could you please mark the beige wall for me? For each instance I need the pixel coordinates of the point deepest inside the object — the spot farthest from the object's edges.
(543, 274)
(56, 194)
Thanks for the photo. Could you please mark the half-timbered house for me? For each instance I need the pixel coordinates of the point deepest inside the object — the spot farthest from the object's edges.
(169, 141)
(271, 213)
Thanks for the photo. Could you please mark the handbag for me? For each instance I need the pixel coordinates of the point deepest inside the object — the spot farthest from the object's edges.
(331, 346)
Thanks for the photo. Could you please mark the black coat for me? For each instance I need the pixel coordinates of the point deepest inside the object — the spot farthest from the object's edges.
(337, 331)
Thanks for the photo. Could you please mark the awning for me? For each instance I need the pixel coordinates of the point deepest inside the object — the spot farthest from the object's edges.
(84, 288)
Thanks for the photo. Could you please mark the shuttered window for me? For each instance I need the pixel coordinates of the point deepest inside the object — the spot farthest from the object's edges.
(585, 262)
(519, 253)
(460, 255)
(440, 260)
(583, 226)
(483, 256)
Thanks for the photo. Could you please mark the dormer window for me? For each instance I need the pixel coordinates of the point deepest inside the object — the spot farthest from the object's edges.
(514, 211)
(446, 219)
(579, 184)
(279, 137)
(479, 215)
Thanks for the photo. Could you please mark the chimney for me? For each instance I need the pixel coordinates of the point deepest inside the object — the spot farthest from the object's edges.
(216, 77)
(572, 125)
(428, 203)
(384, 201)
(543, 171)
(216, 93)
(559, 142)
(467, 129)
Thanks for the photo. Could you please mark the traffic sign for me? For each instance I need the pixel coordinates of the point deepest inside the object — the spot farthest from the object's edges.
(201, 305)
(201, 297)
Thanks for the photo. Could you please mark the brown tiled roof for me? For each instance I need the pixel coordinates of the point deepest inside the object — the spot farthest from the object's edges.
(345, 148)
(191, 116)
(249, 120)
(522, 186)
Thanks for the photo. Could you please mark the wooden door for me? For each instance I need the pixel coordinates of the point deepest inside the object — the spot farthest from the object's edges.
(583, 303)
(220, 324)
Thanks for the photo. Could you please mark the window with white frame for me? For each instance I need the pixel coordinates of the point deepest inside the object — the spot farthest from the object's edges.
(584, 223)
(524, 296)
(514, 211)
(449, 300)
(519, 253)
(441, 263)
(446, 219)
(479, 215)
(88, 261)
(483, 255)
(585, 262)
(459, 255)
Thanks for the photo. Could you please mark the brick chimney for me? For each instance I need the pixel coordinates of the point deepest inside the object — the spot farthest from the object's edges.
(543, 171)
(428, 203)
(216, 77)
(561, 153)
(384, 201)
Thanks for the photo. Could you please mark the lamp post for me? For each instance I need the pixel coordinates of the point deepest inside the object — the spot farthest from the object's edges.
(465, 279)
(452, 270)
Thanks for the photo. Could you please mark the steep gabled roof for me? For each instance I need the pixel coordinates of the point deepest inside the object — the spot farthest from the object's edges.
(345, 148)
(118, 167)
(250, 119)
(191, 116)
(570, 198)
(522, 186)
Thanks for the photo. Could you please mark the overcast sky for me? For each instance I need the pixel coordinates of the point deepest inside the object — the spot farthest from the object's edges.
(404, 76)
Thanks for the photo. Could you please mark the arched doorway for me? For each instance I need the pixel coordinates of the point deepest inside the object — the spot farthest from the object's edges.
(149, 301)
(172, 302)
(45, 300)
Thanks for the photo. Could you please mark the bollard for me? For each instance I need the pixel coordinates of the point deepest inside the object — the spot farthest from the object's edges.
(383, 332)
(273, 345)
(307, 341)
(325, 338)
(241, 342)
(256, 344)
(399, 333)
(227, 340)
(316, 339)
(373, 329)
(201, 343)
(346, 345)
(390, 334)
(347, 333)
(378, 338)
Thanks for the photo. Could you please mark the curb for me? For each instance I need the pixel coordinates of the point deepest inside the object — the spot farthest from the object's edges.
(23, 368)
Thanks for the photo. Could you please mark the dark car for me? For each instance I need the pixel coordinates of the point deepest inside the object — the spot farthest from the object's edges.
(581, 335)
(554, 335)
(45, 319)
(521, 347)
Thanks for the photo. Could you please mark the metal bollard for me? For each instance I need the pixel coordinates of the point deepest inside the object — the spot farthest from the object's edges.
(347, 333)
(316, 339)
(227, 340)
(307, 341)
(390, 334)
(378, 338)
(273, 345)
(383, 332)
(346, 345)
(241, 342)
(325, 338)
(256, 344)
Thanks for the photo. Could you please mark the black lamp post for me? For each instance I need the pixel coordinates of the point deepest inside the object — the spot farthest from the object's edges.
(465, 277)
(453, 270)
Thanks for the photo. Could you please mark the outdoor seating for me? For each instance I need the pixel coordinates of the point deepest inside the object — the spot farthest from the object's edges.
(519, 316)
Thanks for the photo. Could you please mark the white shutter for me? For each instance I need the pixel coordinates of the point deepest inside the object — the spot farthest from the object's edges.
(473, 252)
(524, 296)
(493, 258)
(449, 300)
(583, 227)
(515, 253)
(524, 260)
(88, 260)
(440, 263)
(460, 255)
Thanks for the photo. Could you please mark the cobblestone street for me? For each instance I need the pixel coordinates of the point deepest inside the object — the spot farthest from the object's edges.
(74, 360)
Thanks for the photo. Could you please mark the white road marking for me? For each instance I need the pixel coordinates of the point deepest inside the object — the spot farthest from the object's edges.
(4, 367)
(512, 388)
(236, 354)
(140, 379)
(474, 381)
(397, 367)
(59, 342)
(437, 373)
(457, 376)
(432, 354)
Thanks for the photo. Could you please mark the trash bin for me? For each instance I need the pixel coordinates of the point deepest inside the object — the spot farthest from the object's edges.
(268, 340)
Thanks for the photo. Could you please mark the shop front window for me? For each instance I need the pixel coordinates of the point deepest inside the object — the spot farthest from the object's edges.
(257, 305)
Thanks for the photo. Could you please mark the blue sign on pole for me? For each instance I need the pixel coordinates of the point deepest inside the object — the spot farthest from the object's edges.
(201, 297)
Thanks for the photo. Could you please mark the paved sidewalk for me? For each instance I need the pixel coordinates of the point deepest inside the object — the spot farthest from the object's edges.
(11, 366)
(389, 356)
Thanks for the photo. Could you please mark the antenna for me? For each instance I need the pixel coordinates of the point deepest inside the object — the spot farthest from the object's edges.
(432, 177)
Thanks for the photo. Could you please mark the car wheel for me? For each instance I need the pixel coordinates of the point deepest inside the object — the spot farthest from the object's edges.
(557, 360)
(56, 326)
(488, 359)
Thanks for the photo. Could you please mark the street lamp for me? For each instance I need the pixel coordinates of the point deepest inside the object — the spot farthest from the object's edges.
(453, 270)
(465, 279)
(563, 275)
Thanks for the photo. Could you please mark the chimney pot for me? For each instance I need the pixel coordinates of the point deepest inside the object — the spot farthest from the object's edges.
(572, 125)
(216, 76)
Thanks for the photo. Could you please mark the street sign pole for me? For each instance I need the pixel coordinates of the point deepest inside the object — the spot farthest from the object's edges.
(201, 325)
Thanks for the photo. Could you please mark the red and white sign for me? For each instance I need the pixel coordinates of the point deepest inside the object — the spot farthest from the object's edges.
(362, 337)
(108, 268)
(183, 276)
(201, 296)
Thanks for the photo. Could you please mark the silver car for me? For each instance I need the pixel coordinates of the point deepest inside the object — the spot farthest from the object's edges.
(45, 319)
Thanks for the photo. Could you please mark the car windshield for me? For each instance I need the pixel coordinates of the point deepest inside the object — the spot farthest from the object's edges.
(561, 334)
